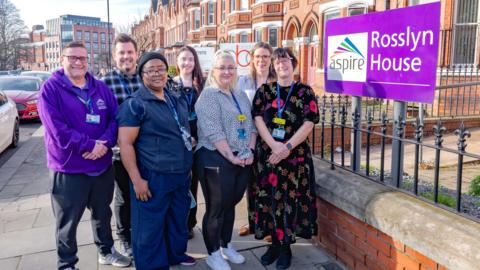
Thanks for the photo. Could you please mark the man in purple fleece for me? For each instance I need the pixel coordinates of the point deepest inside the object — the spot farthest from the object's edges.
(78, 113)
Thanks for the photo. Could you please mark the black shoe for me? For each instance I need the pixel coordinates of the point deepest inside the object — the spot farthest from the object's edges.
(285, 258)
(270, 256)
(190, 234)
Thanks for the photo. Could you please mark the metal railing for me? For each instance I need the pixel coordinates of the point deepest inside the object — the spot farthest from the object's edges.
(338, 126)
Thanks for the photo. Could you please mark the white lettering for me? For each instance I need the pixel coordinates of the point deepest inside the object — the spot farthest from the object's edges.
(396, 64)
(416, 63)
(375, 36)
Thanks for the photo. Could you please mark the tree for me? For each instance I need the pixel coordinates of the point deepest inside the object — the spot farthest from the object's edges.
(11, 30)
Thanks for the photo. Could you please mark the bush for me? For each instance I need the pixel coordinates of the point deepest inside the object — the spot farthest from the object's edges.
(474, 188)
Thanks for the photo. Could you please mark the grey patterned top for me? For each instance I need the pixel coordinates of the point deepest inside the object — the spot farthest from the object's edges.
(217, 119)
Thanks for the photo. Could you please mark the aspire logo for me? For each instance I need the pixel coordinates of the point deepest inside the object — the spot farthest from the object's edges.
(347, 59)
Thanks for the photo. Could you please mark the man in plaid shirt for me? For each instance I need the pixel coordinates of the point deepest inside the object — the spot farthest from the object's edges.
(123, 80)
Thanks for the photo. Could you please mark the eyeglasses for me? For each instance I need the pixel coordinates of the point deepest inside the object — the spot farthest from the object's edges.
(283, 61)
(73, 58)
(154, 72)
(262, 57)
(223, 69)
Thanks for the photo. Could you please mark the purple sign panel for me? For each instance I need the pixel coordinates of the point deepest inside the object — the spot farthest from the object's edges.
(391, 54)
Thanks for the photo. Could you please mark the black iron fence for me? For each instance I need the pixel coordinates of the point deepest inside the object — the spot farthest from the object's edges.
(439, 170)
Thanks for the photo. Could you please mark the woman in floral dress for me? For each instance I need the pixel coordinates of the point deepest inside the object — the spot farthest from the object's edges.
(285, 113)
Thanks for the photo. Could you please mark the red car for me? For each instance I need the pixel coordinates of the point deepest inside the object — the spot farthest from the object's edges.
(24, 91)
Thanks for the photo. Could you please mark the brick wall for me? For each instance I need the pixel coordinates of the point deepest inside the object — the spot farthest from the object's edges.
(361, 246)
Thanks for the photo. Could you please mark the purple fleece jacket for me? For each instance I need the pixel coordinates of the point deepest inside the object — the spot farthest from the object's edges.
(67, 134)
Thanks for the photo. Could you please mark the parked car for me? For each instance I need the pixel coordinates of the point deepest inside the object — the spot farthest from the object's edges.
(43, 75)
(9, 123)
(24, 91)
(4, 73)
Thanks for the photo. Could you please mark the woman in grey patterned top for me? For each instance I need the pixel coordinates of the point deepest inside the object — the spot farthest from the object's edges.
(226, 137)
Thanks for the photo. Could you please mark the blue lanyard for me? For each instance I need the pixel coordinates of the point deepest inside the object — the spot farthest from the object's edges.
(172, 109)
(237, 104)
(280, 110)
(87, 103)
(189, 97)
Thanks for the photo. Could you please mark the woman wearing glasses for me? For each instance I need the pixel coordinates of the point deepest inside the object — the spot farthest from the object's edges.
(190, 82)
(285, 113)
(226, 137)
(156, 150)
(261, 71)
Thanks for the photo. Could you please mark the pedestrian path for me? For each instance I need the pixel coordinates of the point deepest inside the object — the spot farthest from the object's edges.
(27, 224)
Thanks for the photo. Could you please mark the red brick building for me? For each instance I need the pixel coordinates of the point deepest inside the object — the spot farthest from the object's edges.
(33, 52)
(297, 24)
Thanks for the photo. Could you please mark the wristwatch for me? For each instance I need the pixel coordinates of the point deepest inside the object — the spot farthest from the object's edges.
(289, 146)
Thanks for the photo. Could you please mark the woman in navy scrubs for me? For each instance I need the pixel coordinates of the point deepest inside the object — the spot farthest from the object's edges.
(156, 149)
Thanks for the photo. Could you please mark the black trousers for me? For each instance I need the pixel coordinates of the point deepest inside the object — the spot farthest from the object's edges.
(192, 215)
(223, 185)
(121, 203)
(71, 194)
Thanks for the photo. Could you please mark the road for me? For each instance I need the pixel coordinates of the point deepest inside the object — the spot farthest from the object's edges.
(27, 128)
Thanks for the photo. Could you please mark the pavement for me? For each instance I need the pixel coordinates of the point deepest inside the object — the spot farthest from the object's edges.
(27, 239)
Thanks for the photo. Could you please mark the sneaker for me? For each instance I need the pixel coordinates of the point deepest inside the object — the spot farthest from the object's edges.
(115, 259)
(71, 268)
(217, 262)
(270, 256)
(285, 258)
(232, 255)
(189, 261)
(125, 248)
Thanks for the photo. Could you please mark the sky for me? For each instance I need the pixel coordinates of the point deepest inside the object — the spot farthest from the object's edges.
(122, 12)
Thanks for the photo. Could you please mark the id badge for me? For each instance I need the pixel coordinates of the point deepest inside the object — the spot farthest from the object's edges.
(278, 133)
(241, 117)
(93, 118)
(187, 138)
(192, 116)
(242, 134)
(279, 121)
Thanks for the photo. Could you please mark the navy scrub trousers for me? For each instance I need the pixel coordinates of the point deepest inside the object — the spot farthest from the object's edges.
(159, 225)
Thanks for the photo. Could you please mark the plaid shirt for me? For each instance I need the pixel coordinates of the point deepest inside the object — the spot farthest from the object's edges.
(122, 86)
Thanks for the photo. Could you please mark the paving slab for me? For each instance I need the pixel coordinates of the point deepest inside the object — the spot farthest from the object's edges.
(9, 263)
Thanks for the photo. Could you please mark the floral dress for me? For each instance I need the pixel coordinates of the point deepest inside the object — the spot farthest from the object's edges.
(282, 197)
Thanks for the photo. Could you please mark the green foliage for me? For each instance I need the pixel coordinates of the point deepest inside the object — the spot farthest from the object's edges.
(371, 168)
(474, 188)
(172, 71)
(442, 199)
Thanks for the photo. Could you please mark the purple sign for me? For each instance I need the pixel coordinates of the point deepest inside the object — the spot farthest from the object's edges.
(391, 54)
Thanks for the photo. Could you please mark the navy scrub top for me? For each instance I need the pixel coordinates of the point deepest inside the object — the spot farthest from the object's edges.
(159, 145)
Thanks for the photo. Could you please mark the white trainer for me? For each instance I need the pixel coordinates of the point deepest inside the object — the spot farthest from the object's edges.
(115, 259)
(216, 261)
(232, 255)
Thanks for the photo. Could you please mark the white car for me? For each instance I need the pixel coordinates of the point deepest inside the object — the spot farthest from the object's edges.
(9, 123)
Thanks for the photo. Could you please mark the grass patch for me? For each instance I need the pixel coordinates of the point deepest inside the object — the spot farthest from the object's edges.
(442, 199)
(474, 187)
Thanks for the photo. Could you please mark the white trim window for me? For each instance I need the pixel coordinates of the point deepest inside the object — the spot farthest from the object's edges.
(243, 4)
(243, 37)
(258, 34)
(211, 13)
(465, 31)
(273, 36)
(196, 19)
(231, 38)
(357, 9)
(232, 5)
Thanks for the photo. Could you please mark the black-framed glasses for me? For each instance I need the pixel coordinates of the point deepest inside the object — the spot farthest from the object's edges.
(73, 58)
(155, 72)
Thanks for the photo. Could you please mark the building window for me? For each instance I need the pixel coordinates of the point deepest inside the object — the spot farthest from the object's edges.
(95, 37)
(272, 37)
(243, 4)
(103, 37)
(258, 34)
(357, 10)
(224, 3)
(464, 32)
(87, 36)
(87, 45)
(243, 37)
(413, 2)
(231, 38)
(104, 47)
(211, 10)
(196, 15)
(79, 35)
(95, 47)
(232, 5)
(203, 15)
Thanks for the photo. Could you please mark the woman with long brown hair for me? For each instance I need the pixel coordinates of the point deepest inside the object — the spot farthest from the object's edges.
(190, 82)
